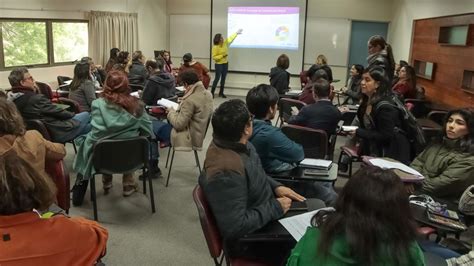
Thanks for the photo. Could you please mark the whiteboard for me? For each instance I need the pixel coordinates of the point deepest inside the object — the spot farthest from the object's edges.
(190, 34)
(330, 37)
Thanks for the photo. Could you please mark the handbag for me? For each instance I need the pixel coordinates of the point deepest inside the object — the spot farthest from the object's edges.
(466, 203)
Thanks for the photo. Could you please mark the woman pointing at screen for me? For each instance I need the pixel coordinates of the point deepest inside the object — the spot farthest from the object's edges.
(219, 55)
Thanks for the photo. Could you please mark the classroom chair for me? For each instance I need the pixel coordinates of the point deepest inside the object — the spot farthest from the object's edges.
(212, 234)
(130, 155)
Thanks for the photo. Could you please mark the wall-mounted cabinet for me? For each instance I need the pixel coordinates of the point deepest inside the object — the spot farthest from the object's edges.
(424, 69)
(461, 35)
(468, 81)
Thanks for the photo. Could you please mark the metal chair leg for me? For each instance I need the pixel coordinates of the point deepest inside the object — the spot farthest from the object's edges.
(168, 157)
(144, 179)
(197, 160)
(94, 198)
(152, 195)
(171, 166)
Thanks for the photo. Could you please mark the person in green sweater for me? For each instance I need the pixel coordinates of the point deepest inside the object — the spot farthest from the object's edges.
(371, 225)
(448, 164)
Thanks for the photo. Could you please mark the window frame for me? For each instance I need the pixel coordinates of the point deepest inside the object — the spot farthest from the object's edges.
(49, 42)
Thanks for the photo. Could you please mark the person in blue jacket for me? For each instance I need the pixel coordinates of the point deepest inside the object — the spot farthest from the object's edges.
(277, 152)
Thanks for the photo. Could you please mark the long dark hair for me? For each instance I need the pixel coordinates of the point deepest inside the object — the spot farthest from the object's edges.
(380, 41)
(466, 144)
(81, 74)
(114, 53)
(411, 76)
(373, 214)
(117, 91)
(378, 74)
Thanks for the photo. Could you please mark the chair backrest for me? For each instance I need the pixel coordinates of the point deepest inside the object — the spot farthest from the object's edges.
(208, 223)
(60, 176)
(62, 79)
(437, 116)
(284, 106)
(314, 141)
(136, 87)
(38, 125)
(73, 105)
(116, 156)
(45, 89)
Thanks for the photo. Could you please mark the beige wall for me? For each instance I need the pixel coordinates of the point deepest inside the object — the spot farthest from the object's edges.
(152, 24)
(405, 11)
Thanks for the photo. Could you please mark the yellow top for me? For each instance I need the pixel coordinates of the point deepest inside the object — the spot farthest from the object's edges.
(219, 52)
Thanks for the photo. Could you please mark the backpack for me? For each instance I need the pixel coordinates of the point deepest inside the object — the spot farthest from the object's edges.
(409, 126)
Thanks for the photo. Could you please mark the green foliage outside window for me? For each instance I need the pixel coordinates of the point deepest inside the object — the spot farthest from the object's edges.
(70, 41)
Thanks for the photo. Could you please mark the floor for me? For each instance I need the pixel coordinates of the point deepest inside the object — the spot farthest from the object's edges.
(172, 235)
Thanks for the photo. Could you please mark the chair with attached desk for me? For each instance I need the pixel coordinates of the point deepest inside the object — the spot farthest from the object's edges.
(314, 141)
(284, 109)
(437, 116)
(212, 234)
(64, 86)
(46, 90)
(130, 155)
(193, 149)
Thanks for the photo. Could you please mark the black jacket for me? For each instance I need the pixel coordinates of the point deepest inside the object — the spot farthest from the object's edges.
(382, 138)
(239, 192)
(159, 85)
(382, 61)
(37, 106)
(353, 92)
(137, 74)
(280, 79)
(320, 115)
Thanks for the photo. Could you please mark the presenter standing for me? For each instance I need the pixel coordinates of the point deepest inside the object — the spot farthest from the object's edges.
(219, 55)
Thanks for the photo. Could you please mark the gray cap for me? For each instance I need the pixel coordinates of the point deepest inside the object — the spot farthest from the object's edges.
(187, 57)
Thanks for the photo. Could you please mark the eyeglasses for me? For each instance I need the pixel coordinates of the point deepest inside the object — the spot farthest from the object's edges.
(29, 78)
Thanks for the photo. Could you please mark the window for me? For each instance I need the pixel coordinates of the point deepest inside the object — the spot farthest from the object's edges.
(24, 43)
(42, 42)
(69, 41)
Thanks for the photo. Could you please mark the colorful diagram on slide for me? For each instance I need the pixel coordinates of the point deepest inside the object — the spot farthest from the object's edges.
(266, 27)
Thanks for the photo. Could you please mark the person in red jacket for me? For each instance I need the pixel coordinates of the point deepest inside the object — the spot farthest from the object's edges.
(30, 234)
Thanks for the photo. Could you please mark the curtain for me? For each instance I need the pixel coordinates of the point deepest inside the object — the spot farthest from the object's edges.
(111, 29)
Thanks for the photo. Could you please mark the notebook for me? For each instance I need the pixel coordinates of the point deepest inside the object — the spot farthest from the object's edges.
(167, 103)
(316, 163)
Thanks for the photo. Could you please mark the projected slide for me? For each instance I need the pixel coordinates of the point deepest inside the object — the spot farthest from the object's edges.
(264, 27)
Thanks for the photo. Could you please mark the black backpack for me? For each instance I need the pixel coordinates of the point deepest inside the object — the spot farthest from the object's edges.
(409, 126)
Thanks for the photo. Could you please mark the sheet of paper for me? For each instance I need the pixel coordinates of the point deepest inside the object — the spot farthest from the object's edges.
(167, 103)
(293, 92)
(180, 88)
(297, 225)
(349, 128)
(135, 94)
(385, 164)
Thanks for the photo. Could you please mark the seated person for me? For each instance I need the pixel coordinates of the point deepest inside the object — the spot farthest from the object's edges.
(122, 63)
(352, 89)
(379, 119)
(448, 164)
(242, 197)
(279, 77)
(406, 84)
(201, 70)
(188, 124)
(137, 73)
(159, 84)
(31, 238)
(314, 73)
(371, 225)
(276, 151)
(98, 74)
(82, 89)
(63, 126)
(29, 145)
(320, 115)
(115, 115)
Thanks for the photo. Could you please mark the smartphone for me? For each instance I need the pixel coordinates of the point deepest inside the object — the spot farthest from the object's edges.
(298, 206)
(294, 109)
